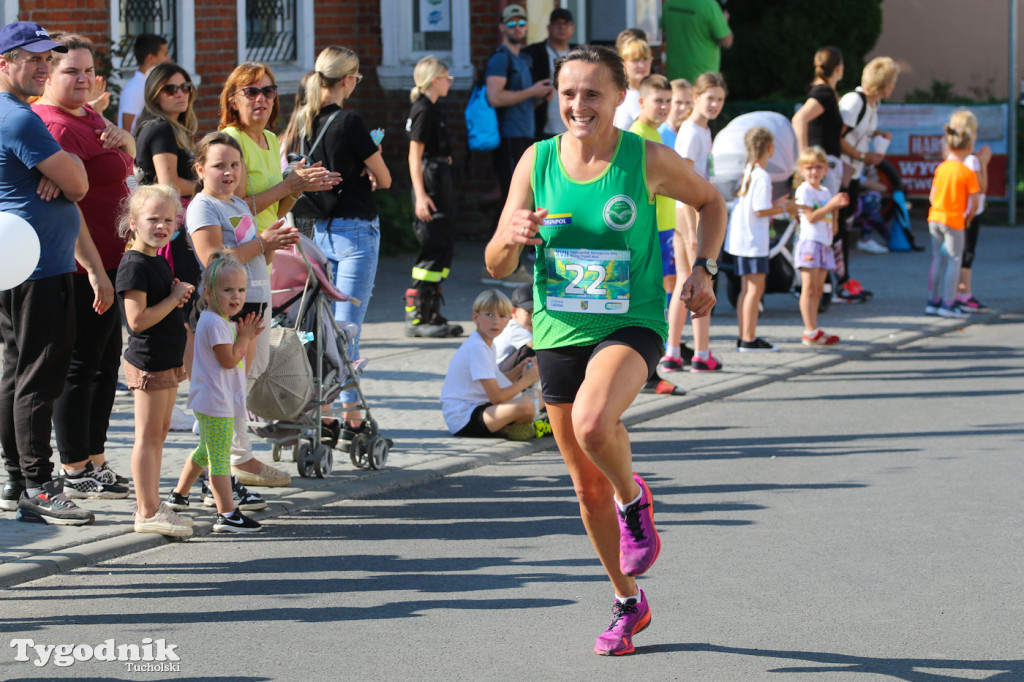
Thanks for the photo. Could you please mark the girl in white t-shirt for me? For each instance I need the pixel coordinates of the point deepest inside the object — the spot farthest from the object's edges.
(637, 56)
(217, 392)
(748, 238)
(693, 143)
(964, 119)
(813, 252)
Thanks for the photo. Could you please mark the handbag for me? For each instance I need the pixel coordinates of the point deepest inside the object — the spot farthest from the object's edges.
(321, 204)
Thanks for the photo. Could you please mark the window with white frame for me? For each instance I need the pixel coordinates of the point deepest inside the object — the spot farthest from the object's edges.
(9, 11)
(437, 27)
(269, 31)
(172, 19)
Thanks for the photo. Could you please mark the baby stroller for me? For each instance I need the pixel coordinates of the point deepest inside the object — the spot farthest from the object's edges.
(310, 364)
(730, 156)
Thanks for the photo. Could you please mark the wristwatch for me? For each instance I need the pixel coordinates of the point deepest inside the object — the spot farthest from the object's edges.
(709, 264)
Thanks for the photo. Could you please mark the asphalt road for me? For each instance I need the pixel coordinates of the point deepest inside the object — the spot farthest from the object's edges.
(859, 523)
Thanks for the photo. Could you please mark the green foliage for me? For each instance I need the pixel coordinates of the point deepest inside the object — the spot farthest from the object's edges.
(940, 92)
(396, 216)
(775, 41)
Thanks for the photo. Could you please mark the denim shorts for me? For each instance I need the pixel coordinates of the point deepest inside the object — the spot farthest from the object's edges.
(751, 265)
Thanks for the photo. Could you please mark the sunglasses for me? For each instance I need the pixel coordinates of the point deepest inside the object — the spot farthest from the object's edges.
(516, 23)
(252, 92)
(450, 78)
(170, 88)
(358, 77)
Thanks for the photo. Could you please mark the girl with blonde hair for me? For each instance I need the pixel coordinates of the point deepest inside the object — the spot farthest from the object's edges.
(430, 164)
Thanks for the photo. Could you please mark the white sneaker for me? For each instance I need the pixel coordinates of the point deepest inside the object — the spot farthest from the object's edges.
(871, 246)
(180, 420)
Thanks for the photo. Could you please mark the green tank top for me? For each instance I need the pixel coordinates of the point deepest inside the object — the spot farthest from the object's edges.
(599, 268)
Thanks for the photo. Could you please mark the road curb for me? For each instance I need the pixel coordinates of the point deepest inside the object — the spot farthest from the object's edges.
(19, 571)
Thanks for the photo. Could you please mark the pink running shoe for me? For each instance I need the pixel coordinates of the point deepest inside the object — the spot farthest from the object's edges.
(712, 364)
(628, 619)
(639, 543)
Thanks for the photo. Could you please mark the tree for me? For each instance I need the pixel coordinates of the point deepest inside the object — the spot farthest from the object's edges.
(775, 41)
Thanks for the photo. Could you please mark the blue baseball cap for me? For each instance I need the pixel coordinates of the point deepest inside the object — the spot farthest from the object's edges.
(27, 35)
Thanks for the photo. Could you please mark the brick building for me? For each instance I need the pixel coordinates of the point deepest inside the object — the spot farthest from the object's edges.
(210, 37)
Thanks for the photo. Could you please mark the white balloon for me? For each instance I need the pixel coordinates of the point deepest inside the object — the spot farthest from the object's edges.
(19, 250)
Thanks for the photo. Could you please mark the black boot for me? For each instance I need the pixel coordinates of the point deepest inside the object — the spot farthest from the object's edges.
(436, 318)
(418, 314)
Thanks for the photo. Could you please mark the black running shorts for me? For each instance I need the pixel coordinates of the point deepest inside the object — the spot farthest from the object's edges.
(562, 370)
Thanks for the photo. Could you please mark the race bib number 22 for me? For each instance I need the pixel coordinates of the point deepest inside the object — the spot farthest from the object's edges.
(587, 280)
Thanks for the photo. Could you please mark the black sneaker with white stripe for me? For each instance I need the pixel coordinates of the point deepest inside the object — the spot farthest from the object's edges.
(244, 499)
(90, 485)
(52, 506)
(236, 522)
(177, 502)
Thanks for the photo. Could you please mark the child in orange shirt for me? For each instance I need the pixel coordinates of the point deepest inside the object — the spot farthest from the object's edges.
(954, 198)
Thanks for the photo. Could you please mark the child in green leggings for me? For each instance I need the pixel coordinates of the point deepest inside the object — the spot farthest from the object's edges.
(217, 394)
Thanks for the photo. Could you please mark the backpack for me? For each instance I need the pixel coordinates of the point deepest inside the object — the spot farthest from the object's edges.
(481, 118)
(312, 205)
(481, 121)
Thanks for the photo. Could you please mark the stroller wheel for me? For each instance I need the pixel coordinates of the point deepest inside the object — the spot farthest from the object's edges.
(275, 452)
(357, 451)
(304, 459)
(323, 460)
(377, 452)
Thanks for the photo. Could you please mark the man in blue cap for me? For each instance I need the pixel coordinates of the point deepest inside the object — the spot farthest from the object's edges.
(39, 182)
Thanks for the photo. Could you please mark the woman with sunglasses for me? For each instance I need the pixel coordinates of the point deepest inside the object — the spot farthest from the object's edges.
(248, 108)
(81, 414)
(349, 233)
(164, 134)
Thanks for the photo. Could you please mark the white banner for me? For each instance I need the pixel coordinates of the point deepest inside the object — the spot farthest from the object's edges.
(435, 16)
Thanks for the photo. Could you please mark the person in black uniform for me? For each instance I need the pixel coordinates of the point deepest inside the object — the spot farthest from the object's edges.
(430, 166)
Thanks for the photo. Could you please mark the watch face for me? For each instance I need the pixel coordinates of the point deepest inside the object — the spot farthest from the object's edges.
(712, 266)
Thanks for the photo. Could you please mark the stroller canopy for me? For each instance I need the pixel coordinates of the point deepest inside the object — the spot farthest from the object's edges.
(731, 155)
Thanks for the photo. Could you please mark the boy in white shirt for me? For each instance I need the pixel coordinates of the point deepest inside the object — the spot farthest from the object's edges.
(477, 400)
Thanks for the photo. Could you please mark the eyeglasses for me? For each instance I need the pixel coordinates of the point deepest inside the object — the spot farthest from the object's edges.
(450, 78)
(252, 92)
(358, 77)
(170, 88)
(516, 23)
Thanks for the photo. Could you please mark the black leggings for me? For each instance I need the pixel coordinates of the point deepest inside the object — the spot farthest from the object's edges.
(970, 241)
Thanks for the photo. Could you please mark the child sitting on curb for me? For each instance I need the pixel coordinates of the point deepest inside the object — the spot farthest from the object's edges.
(477, 400)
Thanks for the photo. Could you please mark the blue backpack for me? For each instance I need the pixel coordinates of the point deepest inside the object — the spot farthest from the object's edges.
(481, 118)
(481, 121)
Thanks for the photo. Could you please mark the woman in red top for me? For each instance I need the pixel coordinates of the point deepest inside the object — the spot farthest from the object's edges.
(82, 413)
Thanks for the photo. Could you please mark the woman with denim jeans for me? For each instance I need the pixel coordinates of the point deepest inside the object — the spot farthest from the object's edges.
(348, 231)
(249, 107)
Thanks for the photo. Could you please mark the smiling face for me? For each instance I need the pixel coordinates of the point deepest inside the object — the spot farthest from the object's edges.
(708, 104)
(154, 225)
(254, 113)
(682, 105)
(26, 75)
(221, 170)
(229, 291)
(71, 79)
(654, 106)
(587, 98)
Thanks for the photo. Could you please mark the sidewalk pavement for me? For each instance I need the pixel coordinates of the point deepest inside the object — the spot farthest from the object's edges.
(404, 376)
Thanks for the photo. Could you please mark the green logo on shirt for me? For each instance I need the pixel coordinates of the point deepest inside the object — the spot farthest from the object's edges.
(619, 212)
